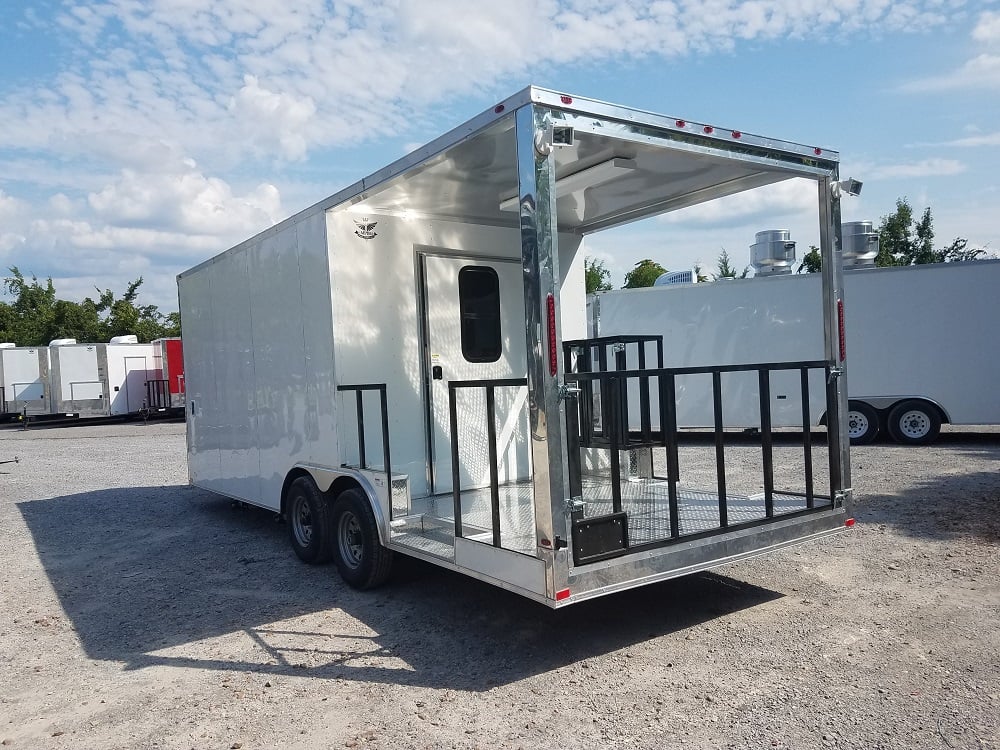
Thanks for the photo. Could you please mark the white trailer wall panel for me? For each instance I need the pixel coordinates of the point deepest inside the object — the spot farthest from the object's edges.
(915, 331)
(292, 352)
(196, 300)
(25, 379)
(259, 363)
(728, 323)
(79, 379)
(927, 331)
(129, 366)
(377, 325)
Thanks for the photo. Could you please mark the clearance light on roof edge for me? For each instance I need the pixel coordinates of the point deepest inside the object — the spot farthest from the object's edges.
(598, 174)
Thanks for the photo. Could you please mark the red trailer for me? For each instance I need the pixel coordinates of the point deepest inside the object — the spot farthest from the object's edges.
(165, 392)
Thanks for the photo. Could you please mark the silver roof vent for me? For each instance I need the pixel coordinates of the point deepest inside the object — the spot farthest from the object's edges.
(772, 253)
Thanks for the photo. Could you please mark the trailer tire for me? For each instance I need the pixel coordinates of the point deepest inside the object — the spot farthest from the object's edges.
(309, 529)
(914, 422)
(862, 423)
(358, 552)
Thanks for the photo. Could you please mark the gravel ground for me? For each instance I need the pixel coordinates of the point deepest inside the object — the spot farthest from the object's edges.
(138, 612)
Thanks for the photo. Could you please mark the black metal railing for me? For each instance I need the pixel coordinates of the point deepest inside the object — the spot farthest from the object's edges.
(609, 354)
(359, 391)
(614, 432)
(157, 394)
(490, 386)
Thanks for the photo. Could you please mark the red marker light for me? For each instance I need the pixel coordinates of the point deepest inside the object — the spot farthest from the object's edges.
(550, 304)
(737, 134)
(708, 129)
(840, 329)
(849, 522)
(566, 99)
(817, 151)
(681, 124)
(560, 595)
(498, 109)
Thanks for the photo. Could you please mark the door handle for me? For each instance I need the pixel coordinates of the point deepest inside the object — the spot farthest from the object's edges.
(437, 373)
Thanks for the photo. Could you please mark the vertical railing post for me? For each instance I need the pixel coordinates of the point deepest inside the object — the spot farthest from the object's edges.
(764, 391)
(491, 442)
(807, 438)
(614, 413)
(455, 474)
(668, 419)
(644, 416)
(362, 459)
(573, 441)
(720, 450)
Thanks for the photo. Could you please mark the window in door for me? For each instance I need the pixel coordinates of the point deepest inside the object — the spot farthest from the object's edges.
(479, 308)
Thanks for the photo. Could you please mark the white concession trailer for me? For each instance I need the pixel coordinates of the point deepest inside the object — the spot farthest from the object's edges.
(404, 367)
(24, 380)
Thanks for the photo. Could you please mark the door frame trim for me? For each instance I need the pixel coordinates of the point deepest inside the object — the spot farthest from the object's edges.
(420, 254)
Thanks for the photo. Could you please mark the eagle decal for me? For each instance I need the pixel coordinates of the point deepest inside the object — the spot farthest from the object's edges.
(366, 229)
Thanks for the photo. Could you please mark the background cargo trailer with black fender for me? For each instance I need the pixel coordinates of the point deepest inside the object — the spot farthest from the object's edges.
(404, 367)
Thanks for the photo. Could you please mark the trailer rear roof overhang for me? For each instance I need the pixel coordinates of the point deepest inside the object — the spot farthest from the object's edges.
(623, 165)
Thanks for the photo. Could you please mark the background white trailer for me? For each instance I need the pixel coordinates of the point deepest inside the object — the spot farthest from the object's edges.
(915, 334)
(78, 378)
(130, 364)
(24, 374)
(386, 368)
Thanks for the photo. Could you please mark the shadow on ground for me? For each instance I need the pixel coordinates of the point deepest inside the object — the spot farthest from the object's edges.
(143, 573)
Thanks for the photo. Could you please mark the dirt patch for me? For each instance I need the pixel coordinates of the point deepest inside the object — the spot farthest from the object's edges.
(138, 612)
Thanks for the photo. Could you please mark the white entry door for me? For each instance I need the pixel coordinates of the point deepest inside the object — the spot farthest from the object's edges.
(475, 331)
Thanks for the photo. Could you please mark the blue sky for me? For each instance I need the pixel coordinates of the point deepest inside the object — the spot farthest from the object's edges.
(140, 138)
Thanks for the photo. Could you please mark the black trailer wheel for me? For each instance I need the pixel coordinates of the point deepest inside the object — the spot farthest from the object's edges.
(361, 559)
(862, 423)
(308, 514)
(914, 422)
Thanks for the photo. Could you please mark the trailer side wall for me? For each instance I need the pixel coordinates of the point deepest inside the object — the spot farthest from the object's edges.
(258, 363)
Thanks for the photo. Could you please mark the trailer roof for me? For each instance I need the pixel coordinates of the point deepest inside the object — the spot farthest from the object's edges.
(625, 164)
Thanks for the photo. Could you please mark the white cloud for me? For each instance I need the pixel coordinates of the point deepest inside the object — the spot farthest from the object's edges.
(988, 28)
(185, 200)
(106, 148)
(981, 72)
(933, 167)
(789, 198)
(986, 139)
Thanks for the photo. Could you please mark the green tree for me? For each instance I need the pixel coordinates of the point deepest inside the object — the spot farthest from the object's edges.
(645, 273)
(726, 270)
(36, 316)
(125, 317)
(812, 262)
(699, 277)
(33, 308)
(903, 242)
(596, 275)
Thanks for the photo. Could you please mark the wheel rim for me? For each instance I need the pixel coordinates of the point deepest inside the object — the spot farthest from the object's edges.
(914, 424)
(857, 424)
(302, 524)
(350, 540)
